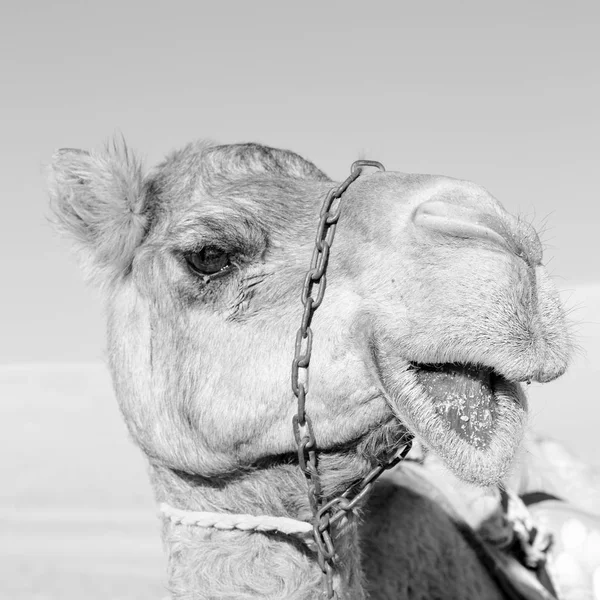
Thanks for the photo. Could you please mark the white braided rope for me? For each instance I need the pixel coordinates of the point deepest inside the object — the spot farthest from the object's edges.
(226, 521)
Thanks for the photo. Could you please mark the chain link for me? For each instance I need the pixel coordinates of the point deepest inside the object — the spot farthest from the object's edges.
(325, 514)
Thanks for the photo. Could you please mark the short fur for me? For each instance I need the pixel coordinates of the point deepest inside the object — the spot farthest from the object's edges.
(201, 363)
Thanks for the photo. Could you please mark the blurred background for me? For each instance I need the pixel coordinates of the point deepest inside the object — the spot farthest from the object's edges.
(506, 95)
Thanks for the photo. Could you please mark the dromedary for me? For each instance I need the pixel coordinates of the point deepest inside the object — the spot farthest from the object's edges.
(437, 306)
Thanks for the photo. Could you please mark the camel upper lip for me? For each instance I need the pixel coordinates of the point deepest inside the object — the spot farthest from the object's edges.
(456, 365)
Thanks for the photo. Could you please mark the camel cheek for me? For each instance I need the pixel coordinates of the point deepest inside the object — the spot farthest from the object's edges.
(141, 391)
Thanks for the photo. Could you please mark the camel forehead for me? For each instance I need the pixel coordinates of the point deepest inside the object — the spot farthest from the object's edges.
(205, 167)
(201, 170)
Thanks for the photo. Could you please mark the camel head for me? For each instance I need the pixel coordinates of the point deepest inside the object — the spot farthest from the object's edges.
(437, 307)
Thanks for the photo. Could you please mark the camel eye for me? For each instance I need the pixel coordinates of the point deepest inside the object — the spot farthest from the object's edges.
(208, 261)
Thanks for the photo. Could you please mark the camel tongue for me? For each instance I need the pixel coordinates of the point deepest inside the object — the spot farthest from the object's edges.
(463, 396)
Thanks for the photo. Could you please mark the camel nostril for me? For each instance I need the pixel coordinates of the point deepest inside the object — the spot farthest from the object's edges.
(459, 221)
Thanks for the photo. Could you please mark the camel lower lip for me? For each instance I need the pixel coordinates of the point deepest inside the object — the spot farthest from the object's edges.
(464, 397)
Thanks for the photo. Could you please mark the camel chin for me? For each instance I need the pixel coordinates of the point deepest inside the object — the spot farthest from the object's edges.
(470, 416)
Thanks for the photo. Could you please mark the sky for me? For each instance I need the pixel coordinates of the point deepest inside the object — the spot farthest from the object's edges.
(504, 94)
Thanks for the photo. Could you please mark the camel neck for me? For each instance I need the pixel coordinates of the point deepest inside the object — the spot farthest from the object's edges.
(208, 563)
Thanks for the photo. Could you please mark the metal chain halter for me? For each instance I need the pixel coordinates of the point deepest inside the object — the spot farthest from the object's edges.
(325, 514)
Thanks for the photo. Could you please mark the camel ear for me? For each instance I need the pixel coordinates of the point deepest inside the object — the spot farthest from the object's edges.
(99, 200)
